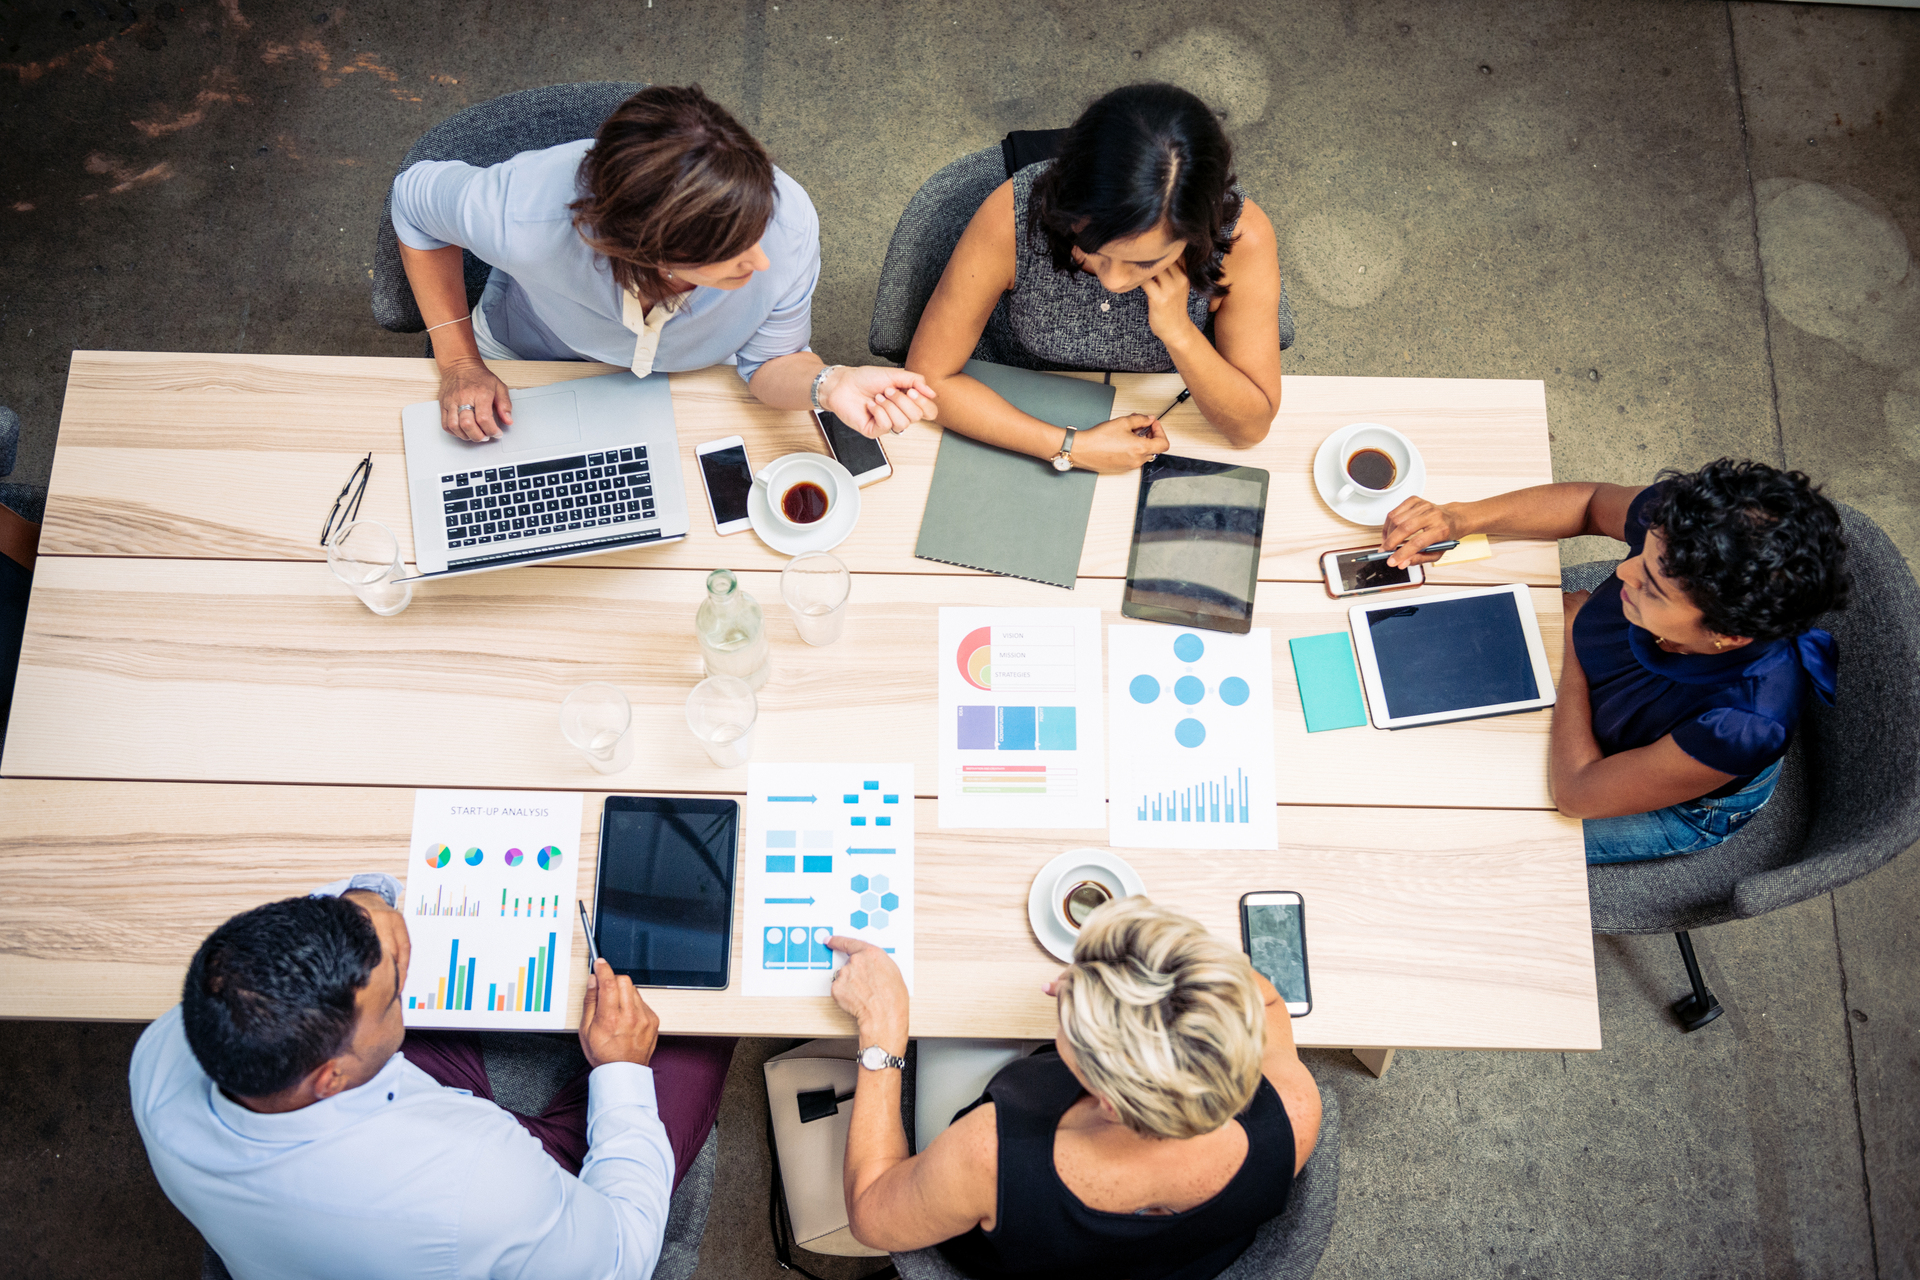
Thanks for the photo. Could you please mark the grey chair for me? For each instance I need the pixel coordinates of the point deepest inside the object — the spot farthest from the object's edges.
(1287, 1246)
(923, 241)
(526, 1069)
(29, 501)
(485, 134)
(1848, 799)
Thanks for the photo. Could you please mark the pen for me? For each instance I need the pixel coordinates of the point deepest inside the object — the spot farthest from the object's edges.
(1372, 556)
(1184, 396)
(593, 952)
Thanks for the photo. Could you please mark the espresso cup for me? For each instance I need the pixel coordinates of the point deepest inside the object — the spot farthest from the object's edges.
(783, 476)
(1365, 437)
(1085, 880)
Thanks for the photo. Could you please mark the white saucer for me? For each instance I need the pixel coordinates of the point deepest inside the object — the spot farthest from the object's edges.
(1364, 510)
(826, 535)
(1050, 933)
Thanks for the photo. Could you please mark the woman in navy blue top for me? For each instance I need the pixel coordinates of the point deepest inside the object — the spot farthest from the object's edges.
(1686, 672)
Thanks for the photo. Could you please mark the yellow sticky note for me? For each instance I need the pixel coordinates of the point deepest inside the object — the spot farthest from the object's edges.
(1472, 547)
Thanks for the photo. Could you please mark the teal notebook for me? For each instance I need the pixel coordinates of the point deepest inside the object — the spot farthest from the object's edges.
(1004, 512)
(1329, 681)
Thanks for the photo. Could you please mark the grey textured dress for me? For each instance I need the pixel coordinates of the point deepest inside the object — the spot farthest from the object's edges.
(1066, 320)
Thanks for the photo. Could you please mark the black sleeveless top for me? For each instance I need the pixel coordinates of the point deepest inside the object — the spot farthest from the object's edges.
(1042, 1229)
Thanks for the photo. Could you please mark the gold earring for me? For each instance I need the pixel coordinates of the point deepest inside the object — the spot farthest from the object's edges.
(1719, 644)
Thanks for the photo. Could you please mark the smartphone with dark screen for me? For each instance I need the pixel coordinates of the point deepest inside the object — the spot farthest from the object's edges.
(859, 454)
(1273, 933)
(663, 897)
(728, 480)
(1347, 574)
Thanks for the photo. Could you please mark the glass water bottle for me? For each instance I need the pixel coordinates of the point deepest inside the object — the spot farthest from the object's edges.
(733, 635)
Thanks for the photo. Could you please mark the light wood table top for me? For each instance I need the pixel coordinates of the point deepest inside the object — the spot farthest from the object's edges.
(205, 720)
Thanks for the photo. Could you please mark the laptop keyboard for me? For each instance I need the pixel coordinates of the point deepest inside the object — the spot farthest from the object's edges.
(585, 491)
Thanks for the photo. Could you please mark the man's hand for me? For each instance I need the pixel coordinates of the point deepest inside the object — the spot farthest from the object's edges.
(615, 1023)
(1167, 291)
(1418, 523)
(873, 398)
(869, 987)
(1119, 444)
(474, 404)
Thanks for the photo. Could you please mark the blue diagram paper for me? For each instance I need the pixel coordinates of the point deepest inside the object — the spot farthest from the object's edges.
(492, 879)
(1191, 718)
(1021, 724)
(829, 850)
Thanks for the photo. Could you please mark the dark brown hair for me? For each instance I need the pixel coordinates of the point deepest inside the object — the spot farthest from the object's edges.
(1142, 155)
(672, 178)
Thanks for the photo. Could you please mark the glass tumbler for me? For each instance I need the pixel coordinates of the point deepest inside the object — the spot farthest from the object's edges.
(366, 556)
(721, 711)
(815, 586)
(595, 718)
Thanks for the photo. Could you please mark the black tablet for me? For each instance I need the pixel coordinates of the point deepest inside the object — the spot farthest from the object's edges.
(663, 898)
(1196, 544)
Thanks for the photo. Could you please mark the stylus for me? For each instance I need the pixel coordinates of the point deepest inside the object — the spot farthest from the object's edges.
(593, 952)
(1372, 556)
(1184, 396)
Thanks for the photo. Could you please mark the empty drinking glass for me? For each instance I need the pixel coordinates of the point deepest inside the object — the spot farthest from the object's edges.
(595, 718)
(815, 586)
(721, 711)
(366, 556)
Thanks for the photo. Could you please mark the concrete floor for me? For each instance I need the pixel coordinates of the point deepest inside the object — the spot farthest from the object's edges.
(1693, 220)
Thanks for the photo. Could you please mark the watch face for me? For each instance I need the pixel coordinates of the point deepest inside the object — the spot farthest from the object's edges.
(873, 1057)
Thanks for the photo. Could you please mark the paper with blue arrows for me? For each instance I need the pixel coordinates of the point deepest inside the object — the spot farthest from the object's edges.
(829, 850)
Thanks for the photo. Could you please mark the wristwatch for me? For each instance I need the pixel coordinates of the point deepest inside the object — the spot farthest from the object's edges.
(874, 1058)
(1063, 460)
(813, 392)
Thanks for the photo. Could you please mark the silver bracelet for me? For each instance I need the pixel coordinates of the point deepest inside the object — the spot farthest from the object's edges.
(813, 392)
(444, 323)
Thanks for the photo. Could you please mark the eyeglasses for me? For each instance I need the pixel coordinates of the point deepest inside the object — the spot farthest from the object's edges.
(346, 507)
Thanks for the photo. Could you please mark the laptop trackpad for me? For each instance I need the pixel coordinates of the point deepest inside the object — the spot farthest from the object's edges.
(542, 424)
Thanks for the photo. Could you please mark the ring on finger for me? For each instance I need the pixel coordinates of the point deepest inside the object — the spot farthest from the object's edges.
(464, 408)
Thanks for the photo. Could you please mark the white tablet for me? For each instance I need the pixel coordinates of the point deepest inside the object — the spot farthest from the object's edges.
(1459, 655)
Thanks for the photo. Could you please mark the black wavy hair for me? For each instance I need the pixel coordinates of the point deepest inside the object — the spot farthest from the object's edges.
(269, 995)
(1759, 550)
(1139, 156)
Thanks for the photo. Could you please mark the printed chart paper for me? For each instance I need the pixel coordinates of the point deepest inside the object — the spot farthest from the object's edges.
(829, 850)
(1021, 733)
(1191, 713)
(491, 882)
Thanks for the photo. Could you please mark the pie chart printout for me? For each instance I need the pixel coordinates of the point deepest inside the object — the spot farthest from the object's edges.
(548, 858)
(438, 855)
(513, 857)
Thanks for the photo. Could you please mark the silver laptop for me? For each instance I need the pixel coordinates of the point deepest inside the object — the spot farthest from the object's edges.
(588, 466)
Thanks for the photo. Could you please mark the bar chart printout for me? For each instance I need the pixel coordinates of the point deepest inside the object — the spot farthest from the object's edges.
(491, 881)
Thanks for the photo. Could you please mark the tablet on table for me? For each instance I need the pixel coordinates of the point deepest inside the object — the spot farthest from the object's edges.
(1461, 655)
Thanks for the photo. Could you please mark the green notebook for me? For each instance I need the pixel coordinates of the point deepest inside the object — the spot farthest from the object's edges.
(1005, 512)
(1329, 681)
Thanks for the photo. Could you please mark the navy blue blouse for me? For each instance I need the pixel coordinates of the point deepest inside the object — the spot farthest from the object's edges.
(1734, 712)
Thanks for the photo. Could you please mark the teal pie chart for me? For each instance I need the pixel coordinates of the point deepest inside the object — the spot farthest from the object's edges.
(473, 857)
(548, 858)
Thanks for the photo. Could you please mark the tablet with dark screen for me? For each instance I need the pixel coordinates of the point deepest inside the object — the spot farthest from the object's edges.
(1455, 656)
(663, 899)
(1196, 544)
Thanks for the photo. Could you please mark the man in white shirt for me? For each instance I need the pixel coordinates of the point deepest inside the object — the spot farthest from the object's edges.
(284, 1123)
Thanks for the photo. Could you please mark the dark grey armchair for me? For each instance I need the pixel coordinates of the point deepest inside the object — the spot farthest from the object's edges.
(1848, 799)
(485, 134)
(28, 501)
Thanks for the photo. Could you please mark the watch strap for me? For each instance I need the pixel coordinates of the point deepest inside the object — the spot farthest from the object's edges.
(886, 1060)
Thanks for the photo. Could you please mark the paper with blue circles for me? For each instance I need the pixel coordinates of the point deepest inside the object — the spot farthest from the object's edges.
(1190, 724)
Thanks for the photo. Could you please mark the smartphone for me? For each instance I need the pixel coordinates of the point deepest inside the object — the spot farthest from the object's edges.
(1348, 575)
(728, 479)
(1273, 933)
(861, 455)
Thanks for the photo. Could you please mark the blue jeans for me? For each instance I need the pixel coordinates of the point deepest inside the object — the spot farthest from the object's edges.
(1677, 829)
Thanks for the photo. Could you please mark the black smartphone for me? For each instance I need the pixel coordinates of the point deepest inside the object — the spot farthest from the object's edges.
(1273, 933)
(728, 480)
(860, 455)
(663, 897)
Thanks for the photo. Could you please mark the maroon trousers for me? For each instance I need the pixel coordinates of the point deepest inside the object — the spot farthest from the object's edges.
(689, 1073)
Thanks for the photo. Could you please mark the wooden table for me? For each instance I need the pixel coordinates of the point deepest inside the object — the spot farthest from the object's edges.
(205, 719)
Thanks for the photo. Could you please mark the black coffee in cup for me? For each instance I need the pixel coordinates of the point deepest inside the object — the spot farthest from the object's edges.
(1372, 469)
(804, 503)
(1083, 900)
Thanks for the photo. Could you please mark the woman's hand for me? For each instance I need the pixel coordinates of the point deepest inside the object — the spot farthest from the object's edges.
(870, 988)
(474, 404)
(1418, 523)
(873, 398)
(1167, 291)
(1119, 444)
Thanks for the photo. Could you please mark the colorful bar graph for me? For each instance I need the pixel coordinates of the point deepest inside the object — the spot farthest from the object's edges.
(546, 996)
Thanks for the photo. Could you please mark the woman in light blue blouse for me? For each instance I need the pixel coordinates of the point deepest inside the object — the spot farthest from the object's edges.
(669, 241)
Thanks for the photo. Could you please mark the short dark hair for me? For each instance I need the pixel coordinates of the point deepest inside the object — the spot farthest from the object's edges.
(1139, 156)
(672, 178)
(1759, 550)
(270, 994)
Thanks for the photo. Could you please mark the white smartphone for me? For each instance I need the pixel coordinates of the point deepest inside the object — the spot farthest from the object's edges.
(728, 480)
(1348, 575)
(1273, 932)
(861, 455)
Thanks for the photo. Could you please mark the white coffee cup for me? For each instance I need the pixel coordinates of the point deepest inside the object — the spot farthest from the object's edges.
(1371, 435)
(1073, 876)
(782, 474)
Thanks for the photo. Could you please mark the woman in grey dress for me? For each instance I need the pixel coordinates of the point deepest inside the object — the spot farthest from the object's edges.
(1132, 251)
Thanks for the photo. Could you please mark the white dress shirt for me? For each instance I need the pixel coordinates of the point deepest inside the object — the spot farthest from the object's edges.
(403, 1177)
